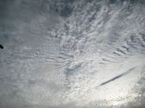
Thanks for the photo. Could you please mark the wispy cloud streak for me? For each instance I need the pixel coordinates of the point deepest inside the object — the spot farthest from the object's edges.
(116, 77)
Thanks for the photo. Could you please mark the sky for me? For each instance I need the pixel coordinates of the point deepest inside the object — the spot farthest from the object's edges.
(72, 54)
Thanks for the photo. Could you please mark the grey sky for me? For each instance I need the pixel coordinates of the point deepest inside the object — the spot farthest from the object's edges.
(54, 53)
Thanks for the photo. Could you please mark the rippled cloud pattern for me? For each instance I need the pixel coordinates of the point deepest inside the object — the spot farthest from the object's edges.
(72, 54)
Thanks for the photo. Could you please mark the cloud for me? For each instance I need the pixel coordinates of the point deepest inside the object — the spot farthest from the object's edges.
(56, 53)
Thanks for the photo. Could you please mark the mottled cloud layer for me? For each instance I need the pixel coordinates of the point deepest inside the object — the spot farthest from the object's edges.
(72, 54)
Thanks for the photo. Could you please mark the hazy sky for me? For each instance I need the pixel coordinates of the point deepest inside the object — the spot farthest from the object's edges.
(72, 53)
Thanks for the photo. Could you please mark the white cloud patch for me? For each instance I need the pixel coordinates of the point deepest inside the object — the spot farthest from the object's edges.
(57, 59)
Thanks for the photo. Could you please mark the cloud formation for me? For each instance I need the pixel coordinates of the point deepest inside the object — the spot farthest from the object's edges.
(56, 53)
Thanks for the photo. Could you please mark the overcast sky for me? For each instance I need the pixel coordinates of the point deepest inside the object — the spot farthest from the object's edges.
(72, 53)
